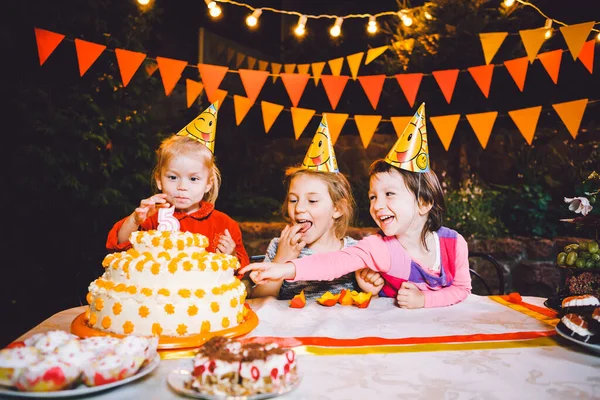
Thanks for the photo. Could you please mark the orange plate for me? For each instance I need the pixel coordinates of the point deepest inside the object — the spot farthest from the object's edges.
(81, 329)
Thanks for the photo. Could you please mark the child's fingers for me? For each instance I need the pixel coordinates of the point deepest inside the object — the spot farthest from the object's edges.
(408, 286)
(296, 238)
(363, 273)
(250, 268)
(284, 233)
(227, 234)
(379, 281)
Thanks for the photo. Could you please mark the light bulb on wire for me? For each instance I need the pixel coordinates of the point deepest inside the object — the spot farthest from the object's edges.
(252, 19)
(210, 4)
(301, 27)
(598, 37)
(509, 3)
(548, 28)
(336, 29)
(372, 25)
(215, 11)
(143, 2)
(406, 20)
(428, 16)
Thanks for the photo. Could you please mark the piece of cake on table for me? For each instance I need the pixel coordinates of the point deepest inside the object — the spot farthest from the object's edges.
(166, 285)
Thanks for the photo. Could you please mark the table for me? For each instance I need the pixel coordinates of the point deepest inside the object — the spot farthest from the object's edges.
(485, 348)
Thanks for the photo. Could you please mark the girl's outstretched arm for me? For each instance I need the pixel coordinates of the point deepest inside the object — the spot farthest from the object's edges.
(269, 272)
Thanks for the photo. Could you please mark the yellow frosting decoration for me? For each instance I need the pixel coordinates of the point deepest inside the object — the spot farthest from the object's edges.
(87, 313)
(99, 304)
(205, 327)
(140, 265)
(168, 244)
(146, 292)
(143, 311)
(199, 293)
(225, 322)
(93, 318)
(155, 268)
(182, 329)
(121, 287)
(148, 255)
(240, 317)
(187, 265)
(214, 306)
(89, 298)
(128, 327)
(164, 255)
(164, 292)
(131, 289)
(215, 266)
(106, 322)
(233, 302)
(155, 241)
(180, 244)
(173, 266)
(169, 308)
(192, 310)
(133, 253)
(185, 293)
(156, 329)
(117, 308)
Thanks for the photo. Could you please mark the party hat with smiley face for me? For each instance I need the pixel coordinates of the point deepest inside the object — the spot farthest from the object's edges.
(320, 155)
(204, 127)
(411, 151)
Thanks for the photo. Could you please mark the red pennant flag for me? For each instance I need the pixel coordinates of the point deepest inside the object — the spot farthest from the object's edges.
(409, 83)
(586, 56)
(334, 87)
(129, 62)
(517, 68)
(372, 85)
(253, 82)
(482, 75)
(193, 90)
(87, 53)
(47, 42)
(294, 85)
(170, 72)
(447, 82)
(212, 76)
(551, 62)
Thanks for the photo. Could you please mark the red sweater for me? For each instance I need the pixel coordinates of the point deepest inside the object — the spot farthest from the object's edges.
(206, 221)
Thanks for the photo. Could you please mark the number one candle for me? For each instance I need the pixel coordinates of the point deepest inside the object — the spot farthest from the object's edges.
(166, 220)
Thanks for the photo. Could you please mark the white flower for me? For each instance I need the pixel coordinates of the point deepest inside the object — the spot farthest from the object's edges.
(579, 205)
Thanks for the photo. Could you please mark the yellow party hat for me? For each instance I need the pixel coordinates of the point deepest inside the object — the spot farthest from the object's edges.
(204, 127)
(411, 151)
(320, 155)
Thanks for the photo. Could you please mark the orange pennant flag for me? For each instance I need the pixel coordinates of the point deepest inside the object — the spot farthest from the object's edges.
(251, 62)
(300, 119)
(129, 62)
(409, 83)
(372, 85)
(447, 82)
(270, 112)
(482, 75)
(263, 65)
(551, 62)
(151, 68)
(400, 123)
(218, 95)
(47, 42)
(275, 69)
(336, 66)
(334, 87)
(445, 126)
(354, 61)
(571, 114)
(526, 120)
(87, 54)
(253, 82)
(294, 85)
(192, 91)
(335, 123)
(374, 53)
(230, 54)
(491, 42)
(367, 125)
(212, 76)
(170, 72)
(289, 68)
(586, 56)
(576, 36)
(517, 68)
(533, 39)
(239, 59)
(242, 106)
(317, 69)
(482, 125)
(303, 68)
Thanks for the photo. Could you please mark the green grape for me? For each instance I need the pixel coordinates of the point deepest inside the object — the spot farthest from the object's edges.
(584, 254)
(595, 257)
(579, 263)
(589, 264)
(593, 247)
(583, 245)
(571, 258)
(562, 258)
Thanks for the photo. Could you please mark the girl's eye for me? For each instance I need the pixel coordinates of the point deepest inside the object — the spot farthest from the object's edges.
(194, 179)
(292, 200)
(313, 201)
(171, 177)
(389, 193)
(371, 198)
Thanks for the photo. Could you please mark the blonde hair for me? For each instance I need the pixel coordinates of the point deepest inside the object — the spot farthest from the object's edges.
(339, 190)
(176, 146)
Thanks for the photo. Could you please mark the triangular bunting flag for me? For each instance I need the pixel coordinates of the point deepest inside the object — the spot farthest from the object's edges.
(212, 76)
(372, 85)
(517, 69)
(270, 112)
(303, 68)
(551, 62)
(170, 72)
(192, 91)
(533, 39)
(445, 126)
(300, 119)
(586, 56)
(409, 83)
(241, 105)
(526, 120)
(151, 68)
(374, 53)
(336, 123)
(87, 53)
(289, 68)
(251, 62)
(367, 125)
(482, 75)
(400, 123)
(317, 70)
(129, 62)
(336, 66)
(275, 69)
(571, 114)
(218, 95)
(334, 87)
(575, 36)
(220, 48)
(447, 82)
(230, 54)
(47, 42)
(263, 65)
(253, 82)
(294, 85)
(239, 59)
(354, 61)
(482, 125)
(491, 42)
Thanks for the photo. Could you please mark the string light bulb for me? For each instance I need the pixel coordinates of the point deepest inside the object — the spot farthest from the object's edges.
(252, 19)
(336, 29)
(406, 20)
(372, 25)
(509, 3)
(215, 11)
(548, 28)
(143, 2)
(210, 4)
(598, 37)
(301, 27)
(428, 16)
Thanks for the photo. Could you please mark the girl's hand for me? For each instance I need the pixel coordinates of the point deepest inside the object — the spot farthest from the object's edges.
(269, 272)
(369, 280)
(409, 296)
(148, 207)
(290, 244)
(226, 244)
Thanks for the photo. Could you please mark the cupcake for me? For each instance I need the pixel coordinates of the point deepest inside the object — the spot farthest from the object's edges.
(72, 353)
(108, 369)
(48, 342)
(14, 361)
(138, 347)
(48, 375)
